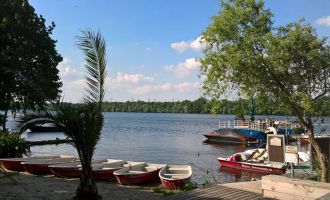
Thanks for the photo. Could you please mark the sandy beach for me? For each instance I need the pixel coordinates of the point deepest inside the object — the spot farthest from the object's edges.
(32, 187)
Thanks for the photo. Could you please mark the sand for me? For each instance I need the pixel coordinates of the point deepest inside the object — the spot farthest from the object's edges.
(32, 187)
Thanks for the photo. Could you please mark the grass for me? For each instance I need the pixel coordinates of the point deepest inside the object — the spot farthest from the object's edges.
(187, 187)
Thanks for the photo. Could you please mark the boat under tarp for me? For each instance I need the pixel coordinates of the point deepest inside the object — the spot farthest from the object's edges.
(236, 136)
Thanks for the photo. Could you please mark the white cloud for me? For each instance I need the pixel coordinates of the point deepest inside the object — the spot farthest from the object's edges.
(141, 90)
(72, 79)
(323, 21)
(65, 68)
(131, 78)
(187, 86)
(196, 45)
(185, 68)
(131, 86)
(169, 89)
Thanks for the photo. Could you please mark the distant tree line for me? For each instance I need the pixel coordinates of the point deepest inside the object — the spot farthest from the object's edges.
(205, 106)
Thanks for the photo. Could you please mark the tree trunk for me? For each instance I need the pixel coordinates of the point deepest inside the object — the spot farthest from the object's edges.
(87, 189)
(323, 160)
(322, 157)
(4, 128)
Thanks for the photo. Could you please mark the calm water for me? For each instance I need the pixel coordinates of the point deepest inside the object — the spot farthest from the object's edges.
(159, 138)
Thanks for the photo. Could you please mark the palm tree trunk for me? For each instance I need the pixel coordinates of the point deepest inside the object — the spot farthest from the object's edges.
(87, 189)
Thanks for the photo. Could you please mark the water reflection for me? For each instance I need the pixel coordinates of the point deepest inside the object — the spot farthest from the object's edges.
(240, 175)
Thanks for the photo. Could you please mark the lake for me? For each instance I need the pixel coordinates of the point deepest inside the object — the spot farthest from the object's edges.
(159, 138)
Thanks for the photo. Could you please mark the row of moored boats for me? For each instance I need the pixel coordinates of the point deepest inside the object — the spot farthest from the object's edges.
(125, 172)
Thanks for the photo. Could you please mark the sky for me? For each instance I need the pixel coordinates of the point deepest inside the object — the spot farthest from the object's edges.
(153, 46)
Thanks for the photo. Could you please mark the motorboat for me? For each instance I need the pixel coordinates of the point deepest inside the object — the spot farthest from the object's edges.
(235, 136)
(252, 161)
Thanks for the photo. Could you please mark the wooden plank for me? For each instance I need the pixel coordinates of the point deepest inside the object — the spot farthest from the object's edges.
(236, 193)
(212, 193)
(222, 191)
(284, 196)
(297, 181)
(46, 142)
(294, 188)
(216, 192)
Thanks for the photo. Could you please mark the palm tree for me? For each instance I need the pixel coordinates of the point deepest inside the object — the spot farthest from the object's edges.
(83, 122)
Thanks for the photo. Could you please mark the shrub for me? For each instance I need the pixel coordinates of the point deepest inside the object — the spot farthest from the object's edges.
(12, 145)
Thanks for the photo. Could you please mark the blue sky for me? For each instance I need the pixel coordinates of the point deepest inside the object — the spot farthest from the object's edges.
(152, 44)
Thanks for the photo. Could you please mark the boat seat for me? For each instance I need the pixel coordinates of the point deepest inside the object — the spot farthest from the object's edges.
(176, 168)
(148, 169)
(175, 176)
(136, 172)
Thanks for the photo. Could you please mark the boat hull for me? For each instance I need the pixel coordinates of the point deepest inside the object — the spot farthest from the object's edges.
(218, 138)
(38, 128)
(132, 179)
(174, 184)
(13, 165)
(68, 172)
(232, 136)
(104, 174)
(37, 169)
(251, 167)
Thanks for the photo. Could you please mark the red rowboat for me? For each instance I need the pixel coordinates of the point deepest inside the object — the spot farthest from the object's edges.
(15, 164)
(244, 161)
(138, 172)
(174, 177)
(105, 171)
(41, 166)
(102, 169)
(66, 170)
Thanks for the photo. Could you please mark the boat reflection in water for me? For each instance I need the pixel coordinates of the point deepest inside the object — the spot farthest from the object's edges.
(219, 145)
(240, 175)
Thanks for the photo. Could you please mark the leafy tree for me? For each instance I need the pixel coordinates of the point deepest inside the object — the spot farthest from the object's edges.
(83, 122)
(28, 58)
(289, 64)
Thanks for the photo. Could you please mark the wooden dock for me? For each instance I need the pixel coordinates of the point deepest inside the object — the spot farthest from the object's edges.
(216, 192)
(46, 142)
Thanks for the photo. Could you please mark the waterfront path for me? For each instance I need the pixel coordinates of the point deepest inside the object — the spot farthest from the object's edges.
(239, 191)
(32, 187)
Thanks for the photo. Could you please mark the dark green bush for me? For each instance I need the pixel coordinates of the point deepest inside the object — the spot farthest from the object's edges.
(12, 145)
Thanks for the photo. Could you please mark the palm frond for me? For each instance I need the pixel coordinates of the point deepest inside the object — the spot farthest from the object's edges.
(94, 47)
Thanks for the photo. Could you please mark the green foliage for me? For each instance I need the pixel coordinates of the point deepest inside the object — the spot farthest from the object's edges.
(28, 57)
(204, 106)
(287, 65)
(12, 145)
(189, 186)
(83, 122)
(164, 191)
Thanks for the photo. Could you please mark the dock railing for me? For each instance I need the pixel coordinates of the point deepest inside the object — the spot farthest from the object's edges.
(256, 125)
